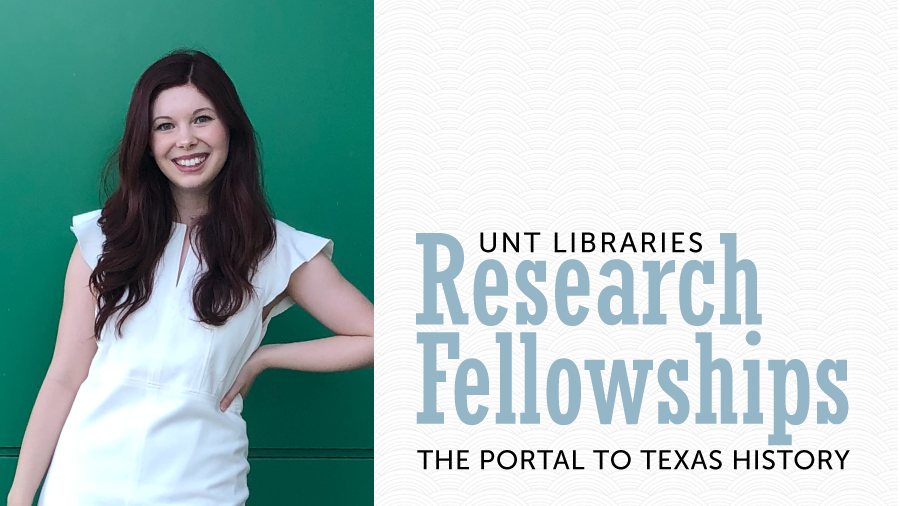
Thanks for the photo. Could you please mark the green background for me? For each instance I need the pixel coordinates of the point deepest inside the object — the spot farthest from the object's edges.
(304, 74)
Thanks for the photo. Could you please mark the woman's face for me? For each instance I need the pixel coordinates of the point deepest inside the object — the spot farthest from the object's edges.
(188, 139)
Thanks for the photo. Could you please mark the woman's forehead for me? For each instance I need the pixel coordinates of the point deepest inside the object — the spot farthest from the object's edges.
(181, 100)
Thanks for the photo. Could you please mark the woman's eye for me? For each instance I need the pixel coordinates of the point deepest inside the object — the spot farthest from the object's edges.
(165, 126)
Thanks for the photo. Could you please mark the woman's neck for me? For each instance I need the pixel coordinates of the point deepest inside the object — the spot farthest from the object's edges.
(189, 208)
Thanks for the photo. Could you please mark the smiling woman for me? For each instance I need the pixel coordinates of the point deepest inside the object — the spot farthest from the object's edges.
(184, 139)
(176, 279)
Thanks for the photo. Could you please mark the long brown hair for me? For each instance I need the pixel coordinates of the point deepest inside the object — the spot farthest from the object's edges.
(237, 231)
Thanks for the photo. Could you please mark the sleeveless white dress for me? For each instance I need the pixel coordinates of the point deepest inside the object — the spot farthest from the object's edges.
(145, 427)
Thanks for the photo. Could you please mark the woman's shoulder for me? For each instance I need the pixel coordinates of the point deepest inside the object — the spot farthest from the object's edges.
(291, 242)
(89, 235)
(86, 217)
(293, 248)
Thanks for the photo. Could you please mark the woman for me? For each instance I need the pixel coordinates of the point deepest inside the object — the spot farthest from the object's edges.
(168, 293)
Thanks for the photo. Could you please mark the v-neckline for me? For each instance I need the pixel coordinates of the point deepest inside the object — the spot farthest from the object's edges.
(184, 252)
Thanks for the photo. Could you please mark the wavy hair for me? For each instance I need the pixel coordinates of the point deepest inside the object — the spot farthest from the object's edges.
(237, 231)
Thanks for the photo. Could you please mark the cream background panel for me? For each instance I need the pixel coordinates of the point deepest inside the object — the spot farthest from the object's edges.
(773, 120)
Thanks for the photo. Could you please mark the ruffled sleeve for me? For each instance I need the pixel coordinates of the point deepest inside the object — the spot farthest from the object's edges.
(90, 236)
(293, 248)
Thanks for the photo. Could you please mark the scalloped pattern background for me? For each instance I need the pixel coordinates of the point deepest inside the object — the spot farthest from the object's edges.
(776, 120)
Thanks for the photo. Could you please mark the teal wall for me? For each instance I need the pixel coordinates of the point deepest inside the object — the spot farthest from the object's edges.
(304, 72)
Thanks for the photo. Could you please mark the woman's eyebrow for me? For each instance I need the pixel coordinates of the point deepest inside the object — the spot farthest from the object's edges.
(195, 112)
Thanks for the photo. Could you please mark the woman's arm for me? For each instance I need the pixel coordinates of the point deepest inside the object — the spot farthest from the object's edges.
(75, 348)
(319, 288)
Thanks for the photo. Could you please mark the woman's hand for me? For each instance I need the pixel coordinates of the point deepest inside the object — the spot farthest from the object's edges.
(245, 378)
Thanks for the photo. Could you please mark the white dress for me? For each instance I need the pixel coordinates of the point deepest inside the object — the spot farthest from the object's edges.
(145, 427)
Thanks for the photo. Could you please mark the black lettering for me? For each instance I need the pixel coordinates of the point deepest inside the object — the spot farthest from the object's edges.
(556, 243)
(531, 236)
(607, 239)
(612, 459)
(681, 459)
(699, 246)
(698, 455)
(585, 241)
(784, 457)
(648, 453)
(676, 242)
(812, 460)
(424, 457)
(746, 460)
(645, 242)
(824, 456)
(712, 455)
(628, 242)
(561, 456)
(483, 462)
(544, 453)
(508, 239)
(529, 459)
(493, 242)
(601, 452)
(500, 460)
(448, 460)
(838, 453)
(767, 459)
(663, 459)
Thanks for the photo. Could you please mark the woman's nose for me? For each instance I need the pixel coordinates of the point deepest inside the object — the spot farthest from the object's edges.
(186, 138)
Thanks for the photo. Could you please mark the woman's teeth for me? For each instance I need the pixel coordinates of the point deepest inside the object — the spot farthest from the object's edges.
(192, 162)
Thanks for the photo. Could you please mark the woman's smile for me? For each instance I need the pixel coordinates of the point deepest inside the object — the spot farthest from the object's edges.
(188, 139)
(191, 163)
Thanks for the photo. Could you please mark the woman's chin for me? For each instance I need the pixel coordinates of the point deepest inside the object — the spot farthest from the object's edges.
(189, 184)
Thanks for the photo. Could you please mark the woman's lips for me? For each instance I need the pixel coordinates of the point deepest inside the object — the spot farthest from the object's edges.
(195, 168)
